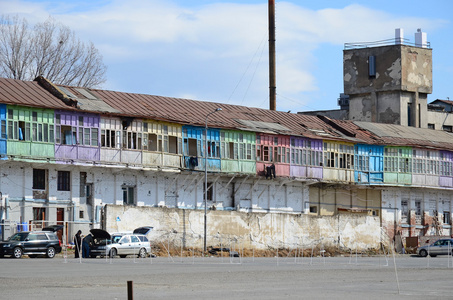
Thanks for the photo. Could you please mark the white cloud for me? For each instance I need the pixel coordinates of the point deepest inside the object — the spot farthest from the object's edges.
(204, 51)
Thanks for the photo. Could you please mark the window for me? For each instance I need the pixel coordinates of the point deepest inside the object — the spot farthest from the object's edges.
(39, 213)
(372, 66)
(89, 193)
(239, 146)
(447, 128)
(305, 152)
(338, 156)
(110, 138)
(173, 144)
(132, 140)
(33, 237)
(274, 149)
(431, 126)
(418, 211)
(209, 195)
(409, 114)
(162, 138)
(446, 163)
(3, 129)
(66, 135)
(83, 182)
(446, 217)
(190, 147)
(81, 214)
(397, 160)
(213, 149)
(39, 179)
(69, 131)
(31, 126)
(128, 195)
(427, 162)
(362, 162)
(125, 239)
(313, 209)
(64, 181)
(404, 210)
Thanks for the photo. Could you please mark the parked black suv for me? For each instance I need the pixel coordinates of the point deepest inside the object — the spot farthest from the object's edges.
(31, 243)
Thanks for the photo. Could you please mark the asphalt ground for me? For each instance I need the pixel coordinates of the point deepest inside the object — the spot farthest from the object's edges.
(354, 277)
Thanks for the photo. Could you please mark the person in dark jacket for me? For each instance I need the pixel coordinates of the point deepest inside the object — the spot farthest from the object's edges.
(77, 244)
(86, 243)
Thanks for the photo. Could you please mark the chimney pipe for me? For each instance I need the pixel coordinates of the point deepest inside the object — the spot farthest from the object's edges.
(272, 87)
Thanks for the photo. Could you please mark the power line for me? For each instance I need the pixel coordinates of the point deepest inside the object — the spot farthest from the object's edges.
(248, 66)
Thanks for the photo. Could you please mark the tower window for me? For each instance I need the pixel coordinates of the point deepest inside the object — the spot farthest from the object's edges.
(372, 66)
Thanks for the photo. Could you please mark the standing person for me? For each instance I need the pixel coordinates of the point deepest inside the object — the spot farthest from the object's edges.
(86, 243)
(77, 243)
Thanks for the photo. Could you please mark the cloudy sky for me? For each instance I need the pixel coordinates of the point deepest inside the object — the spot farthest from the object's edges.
(218, 51)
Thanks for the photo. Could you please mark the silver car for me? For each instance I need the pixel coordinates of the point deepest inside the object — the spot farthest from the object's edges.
(440, 247)
(128, 244)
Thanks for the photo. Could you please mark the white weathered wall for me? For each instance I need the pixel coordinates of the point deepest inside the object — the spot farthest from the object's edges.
(250, 230)
(433, 203)
(439, 119)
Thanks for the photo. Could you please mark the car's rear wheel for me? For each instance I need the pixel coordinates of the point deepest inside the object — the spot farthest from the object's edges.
(50, 253)
(112, 252)
(17, 252)
(142, 253)
(423, 253)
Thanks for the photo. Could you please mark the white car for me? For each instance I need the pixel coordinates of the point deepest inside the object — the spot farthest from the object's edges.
(128, 244)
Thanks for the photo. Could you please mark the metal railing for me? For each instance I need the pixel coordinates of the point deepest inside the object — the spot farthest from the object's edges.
(388, 42)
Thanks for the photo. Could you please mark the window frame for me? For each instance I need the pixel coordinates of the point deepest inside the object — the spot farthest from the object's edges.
(129, 194)
(64, 181)
(27, 125)
(38, 182)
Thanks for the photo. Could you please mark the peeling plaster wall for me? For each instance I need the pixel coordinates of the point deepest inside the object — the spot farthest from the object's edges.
(416, 68)
(430, 222)
(251, 230)
(150, 188)
(329, 200)
(440, 119)
(403, 76)
(398, 68)
(388, 70)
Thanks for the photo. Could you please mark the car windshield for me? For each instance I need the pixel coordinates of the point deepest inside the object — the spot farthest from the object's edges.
(21, 236)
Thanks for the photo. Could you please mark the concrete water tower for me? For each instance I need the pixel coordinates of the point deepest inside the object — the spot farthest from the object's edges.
(389, 81)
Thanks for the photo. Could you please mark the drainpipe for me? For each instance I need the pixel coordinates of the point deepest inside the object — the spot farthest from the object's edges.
(2, 227)
(73, 211)
(6, 208)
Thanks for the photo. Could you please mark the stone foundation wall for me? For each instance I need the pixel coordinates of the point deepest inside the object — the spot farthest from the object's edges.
(248, 230)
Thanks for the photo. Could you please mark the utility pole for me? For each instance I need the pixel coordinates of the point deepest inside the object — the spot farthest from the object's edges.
(272, 84)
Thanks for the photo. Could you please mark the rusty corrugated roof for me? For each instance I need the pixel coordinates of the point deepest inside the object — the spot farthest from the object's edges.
(28, 93)
(398, 135)
(193, 112)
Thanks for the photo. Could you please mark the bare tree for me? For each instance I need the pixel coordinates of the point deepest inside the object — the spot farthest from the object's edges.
(49, 49)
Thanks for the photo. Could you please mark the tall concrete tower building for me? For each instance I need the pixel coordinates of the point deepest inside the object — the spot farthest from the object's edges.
(389, 81)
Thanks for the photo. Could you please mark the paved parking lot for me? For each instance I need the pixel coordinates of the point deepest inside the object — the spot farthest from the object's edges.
(225, 278)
